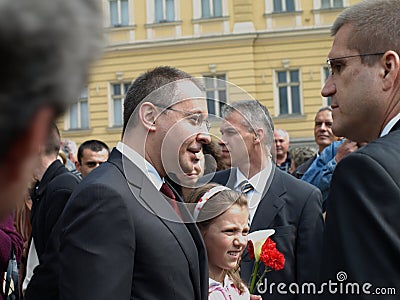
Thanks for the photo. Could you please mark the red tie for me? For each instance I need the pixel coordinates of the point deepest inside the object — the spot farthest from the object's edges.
(166, 190)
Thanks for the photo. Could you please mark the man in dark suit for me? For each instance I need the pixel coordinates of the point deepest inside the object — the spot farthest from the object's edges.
(121, 238)
(362, 236)
(55, 184)
(277, 200)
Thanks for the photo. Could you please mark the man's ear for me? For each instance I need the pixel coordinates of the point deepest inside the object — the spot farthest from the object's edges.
(78, 166)
(148, 115)
(259, 135)
(390, 69)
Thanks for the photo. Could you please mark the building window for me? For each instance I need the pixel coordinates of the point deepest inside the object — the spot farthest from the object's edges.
(78, 116)
(119, 13)
(216, 93)
(164, 11)
(326, 101)
(331, 3)
(118, 91)
(211, 8)
(284, 5)
(288, 85)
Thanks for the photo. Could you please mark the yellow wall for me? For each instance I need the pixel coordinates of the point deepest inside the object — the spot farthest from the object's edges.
(248, 59)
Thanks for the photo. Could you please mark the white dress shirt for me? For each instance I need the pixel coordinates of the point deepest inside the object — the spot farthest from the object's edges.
(146, 167)
(390, 125)
(258, 181)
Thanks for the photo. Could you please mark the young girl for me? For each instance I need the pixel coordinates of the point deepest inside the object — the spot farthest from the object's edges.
(222, 217)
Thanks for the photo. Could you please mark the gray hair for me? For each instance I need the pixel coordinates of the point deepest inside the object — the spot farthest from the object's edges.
(47, 46)
(255, 116)
(375, 27)
(328, 108)
(283, 133)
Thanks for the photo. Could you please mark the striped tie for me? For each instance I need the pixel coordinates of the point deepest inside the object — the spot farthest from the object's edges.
(245, 187)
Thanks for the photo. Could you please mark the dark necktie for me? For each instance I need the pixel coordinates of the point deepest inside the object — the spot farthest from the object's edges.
(245, 187)
(166, 190)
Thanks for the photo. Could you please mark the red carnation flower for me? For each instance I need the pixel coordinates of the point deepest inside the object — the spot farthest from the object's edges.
(250, 249)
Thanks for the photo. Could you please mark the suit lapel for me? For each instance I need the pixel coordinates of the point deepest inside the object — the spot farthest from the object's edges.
(271, 202)
(188, 236)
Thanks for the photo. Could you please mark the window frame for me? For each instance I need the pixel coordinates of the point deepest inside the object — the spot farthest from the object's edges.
(331, 4)
(284, 8)
(318, 5)
(78, 102)
(107, 15)
(288, 84)
(124, 86)
(164, 11)
(216, 89)
(326, 101)
(212, 11)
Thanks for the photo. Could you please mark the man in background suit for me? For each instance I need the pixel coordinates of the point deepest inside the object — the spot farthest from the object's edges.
(121, 238)
(50, 194)
(362, 236)
(277, 199)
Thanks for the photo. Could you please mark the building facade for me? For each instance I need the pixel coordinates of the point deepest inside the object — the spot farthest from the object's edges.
(274, 50)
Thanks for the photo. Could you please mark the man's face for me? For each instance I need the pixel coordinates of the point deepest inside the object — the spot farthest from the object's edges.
(237, 138)
(183, 131)
(281, 145)
(225, 155)
(190, 179)
(355, 89)
(91, 160)
(323, 129)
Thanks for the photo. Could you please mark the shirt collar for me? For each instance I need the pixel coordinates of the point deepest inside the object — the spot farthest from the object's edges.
(258, 181)
(390, 125)
(146, 167)
(227, 282)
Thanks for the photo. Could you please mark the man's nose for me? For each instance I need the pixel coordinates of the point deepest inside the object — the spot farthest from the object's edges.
(203, 137)
(329, 88)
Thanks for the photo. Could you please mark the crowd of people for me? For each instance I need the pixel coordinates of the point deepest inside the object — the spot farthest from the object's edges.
(166, 214)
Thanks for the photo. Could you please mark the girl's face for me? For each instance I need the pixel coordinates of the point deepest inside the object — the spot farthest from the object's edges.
(225, 239)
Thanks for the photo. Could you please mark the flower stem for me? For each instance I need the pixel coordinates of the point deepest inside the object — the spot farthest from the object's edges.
(254, 277)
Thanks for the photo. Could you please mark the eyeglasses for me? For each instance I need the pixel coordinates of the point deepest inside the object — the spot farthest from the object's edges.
(196, 119)
(332, 65)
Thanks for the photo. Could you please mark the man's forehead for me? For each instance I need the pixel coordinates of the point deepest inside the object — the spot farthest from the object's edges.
(324, 115)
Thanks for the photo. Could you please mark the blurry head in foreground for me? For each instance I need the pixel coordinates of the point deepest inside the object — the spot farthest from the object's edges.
(47, 46)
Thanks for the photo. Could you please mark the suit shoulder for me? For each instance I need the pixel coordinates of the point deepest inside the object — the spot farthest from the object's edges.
(220, 177)
(65, 180)
(294, 184)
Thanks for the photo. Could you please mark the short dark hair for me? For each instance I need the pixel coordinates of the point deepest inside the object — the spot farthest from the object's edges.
(47, 46)
(93, 145)
(52, 146)
(151, 82)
